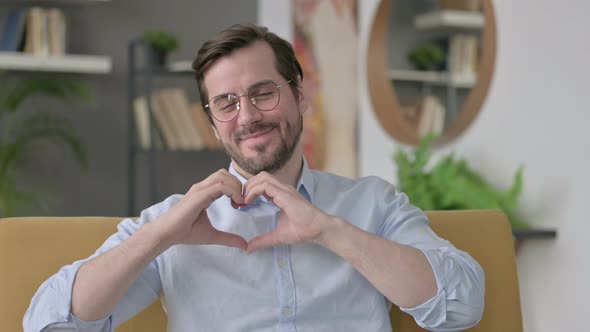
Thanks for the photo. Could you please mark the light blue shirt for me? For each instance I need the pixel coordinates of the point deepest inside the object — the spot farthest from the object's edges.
(301, 287)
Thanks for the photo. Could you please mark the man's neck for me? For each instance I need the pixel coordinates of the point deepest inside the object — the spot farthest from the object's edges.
(289, 173)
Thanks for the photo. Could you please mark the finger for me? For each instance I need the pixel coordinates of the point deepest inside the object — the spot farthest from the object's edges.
(236, 198)
(221, 175)
(282, 198)
(263, 241)
(270, 190)
(228, 240)
(264, 177)
(217, 184)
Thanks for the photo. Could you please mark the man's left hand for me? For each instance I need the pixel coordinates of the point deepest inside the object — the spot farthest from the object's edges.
(299, 222)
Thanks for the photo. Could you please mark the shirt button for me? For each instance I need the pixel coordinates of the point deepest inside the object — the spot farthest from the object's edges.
(282, 263)
(287, 311)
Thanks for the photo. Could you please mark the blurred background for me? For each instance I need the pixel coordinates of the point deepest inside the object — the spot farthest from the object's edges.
(501, 85)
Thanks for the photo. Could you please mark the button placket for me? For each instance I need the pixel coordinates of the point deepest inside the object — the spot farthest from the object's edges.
(285, 285)
(282, 263)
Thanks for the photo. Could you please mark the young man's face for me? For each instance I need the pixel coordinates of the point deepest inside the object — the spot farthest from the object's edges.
(256, 140)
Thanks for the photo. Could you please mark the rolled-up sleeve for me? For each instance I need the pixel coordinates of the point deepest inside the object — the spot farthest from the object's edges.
(459, 301)
(50, 308)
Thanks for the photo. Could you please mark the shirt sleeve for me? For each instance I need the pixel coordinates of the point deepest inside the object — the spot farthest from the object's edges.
(459, 301)
(50, 308)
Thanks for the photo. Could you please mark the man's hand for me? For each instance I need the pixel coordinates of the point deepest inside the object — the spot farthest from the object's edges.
(187, 221)
(299, 222)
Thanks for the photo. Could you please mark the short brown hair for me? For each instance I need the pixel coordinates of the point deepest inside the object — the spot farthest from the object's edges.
(239, 36)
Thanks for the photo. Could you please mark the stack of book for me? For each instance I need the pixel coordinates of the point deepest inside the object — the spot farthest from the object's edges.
(35, 30)
(426, 115)
(463, 57)
(179, 124)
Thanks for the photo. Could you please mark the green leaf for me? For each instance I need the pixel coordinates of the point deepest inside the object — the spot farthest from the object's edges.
(161, 41)
(17, 92)
(451, 184)
(13, 201)
(41, 128)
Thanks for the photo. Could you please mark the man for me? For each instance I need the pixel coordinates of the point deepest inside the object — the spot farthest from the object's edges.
(269, 245)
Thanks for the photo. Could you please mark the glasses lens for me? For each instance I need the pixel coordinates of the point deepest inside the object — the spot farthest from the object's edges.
(224, 107)
(264, 97)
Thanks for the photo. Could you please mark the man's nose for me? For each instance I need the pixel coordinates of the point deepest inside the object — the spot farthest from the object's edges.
(247, 113)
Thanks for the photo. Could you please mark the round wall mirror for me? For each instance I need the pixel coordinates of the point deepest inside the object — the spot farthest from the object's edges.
(430, 65)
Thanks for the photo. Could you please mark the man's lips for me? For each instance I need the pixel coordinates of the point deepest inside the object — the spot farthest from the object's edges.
(256, 134)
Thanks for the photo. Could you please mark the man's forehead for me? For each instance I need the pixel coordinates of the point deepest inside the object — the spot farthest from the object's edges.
(241, 69)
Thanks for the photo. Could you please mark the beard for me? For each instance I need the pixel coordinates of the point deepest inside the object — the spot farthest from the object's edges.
(277, 158)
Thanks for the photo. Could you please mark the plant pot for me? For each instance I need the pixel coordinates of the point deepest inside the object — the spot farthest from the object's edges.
(157, 58)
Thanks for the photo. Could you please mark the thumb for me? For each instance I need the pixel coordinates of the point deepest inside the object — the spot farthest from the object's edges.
(262, 241)
(228, 240)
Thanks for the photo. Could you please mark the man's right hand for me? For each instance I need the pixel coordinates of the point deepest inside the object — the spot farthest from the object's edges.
(102, 281)
(187, 221)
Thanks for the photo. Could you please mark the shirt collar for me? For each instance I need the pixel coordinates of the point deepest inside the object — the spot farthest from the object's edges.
(305, 185)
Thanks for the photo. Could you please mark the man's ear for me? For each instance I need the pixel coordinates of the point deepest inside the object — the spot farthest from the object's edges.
(304, 104)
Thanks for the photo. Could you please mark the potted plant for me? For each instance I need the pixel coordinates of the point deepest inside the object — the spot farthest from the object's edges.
(161, 44)
(451, 184)
(428, 56)
(21, 132)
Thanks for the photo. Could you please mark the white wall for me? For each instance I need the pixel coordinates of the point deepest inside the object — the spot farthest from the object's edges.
(536, 114)
(277, 16)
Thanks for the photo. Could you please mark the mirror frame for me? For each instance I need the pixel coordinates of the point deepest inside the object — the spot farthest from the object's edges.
(382, 92)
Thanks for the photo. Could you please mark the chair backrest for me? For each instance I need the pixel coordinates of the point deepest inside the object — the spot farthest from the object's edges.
(487, 236)
(32, 249)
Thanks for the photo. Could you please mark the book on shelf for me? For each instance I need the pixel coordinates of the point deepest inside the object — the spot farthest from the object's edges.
(35, 30)
(181, 125)
(178, 101)
(56, 31)
(426, 115)
(432, 114)
(165, 122)
(13, 31)
(204, 127)
(142, 125)
(463, 57)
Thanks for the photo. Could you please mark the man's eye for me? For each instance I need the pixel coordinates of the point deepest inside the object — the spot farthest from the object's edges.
(263, 95)
(227, 108)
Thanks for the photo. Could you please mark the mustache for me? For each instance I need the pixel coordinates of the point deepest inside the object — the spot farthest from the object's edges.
(254, 128)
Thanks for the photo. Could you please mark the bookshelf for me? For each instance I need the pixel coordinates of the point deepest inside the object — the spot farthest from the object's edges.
(157, 142)
(454, 93)
(34, 34)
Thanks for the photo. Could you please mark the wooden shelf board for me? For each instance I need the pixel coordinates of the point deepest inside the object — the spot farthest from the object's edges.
(89, 64)
(181, 66)
(449, 19)
(432, 77)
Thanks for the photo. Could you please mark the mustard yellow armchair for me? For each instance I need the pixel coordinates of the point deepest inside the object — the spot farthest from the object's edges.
(34, 248)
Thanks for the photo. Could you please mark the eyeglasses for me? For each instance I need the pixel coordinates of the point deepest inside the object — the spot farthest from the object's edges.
(264, 96)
